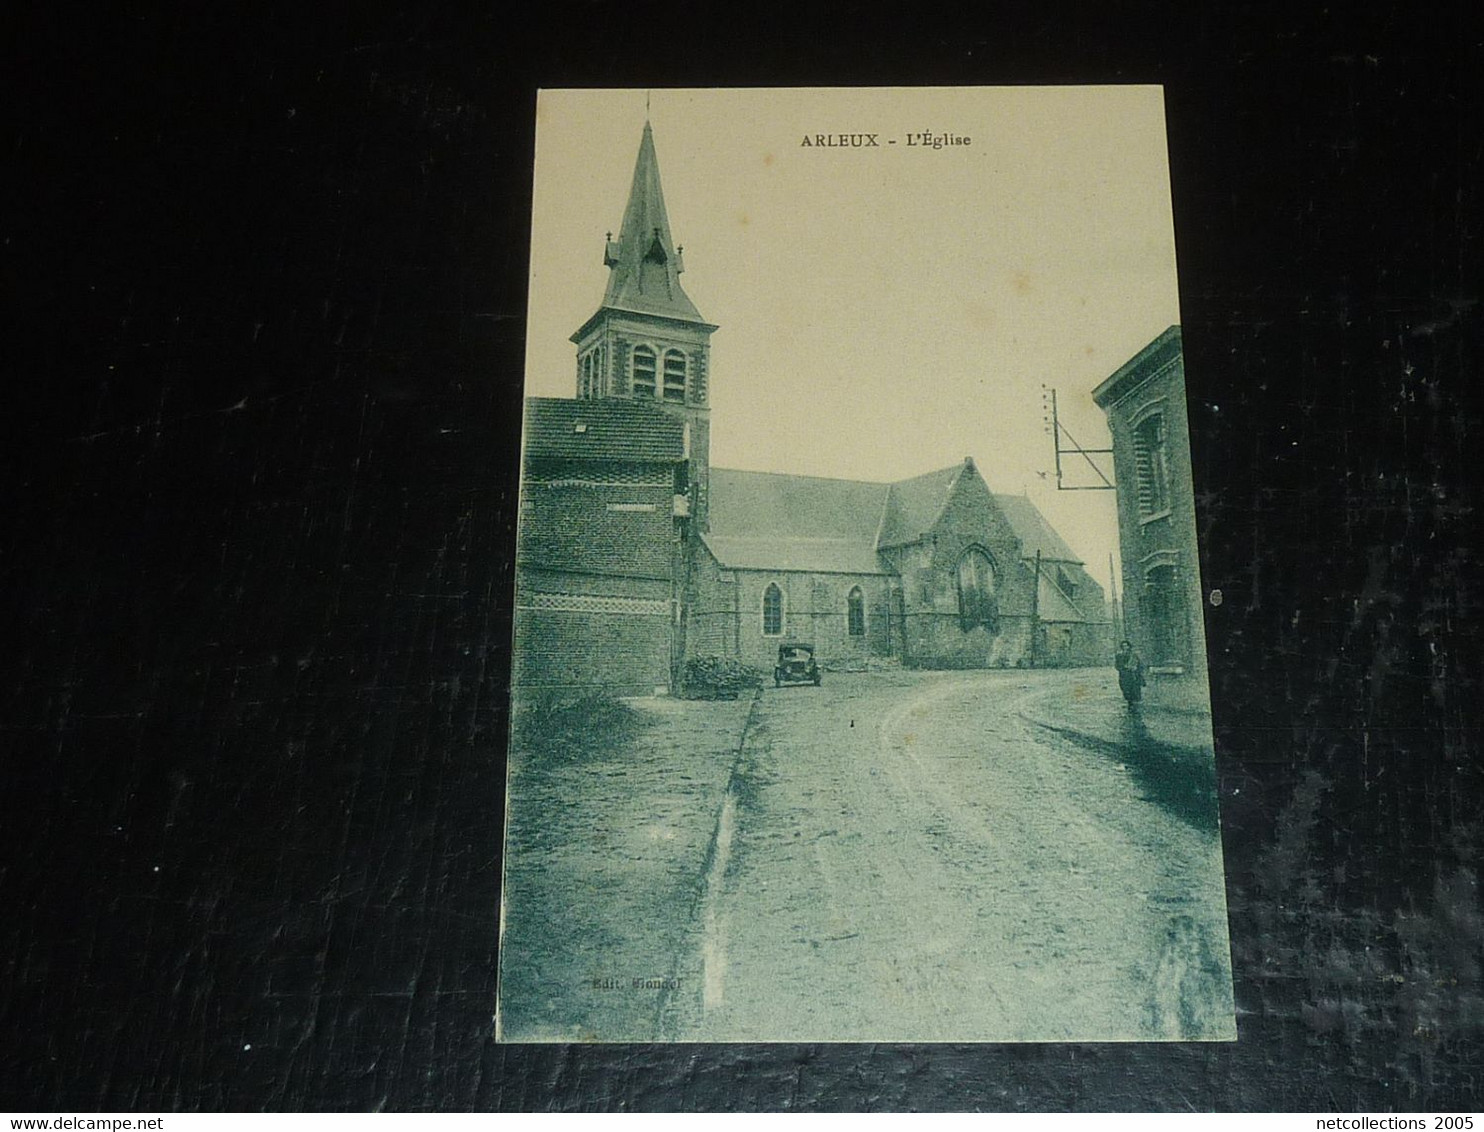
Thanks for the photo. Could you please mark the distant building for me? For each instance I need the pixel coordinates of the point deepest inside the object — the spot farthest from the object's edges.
(936, 570)
(1145, 405)
(635, 554)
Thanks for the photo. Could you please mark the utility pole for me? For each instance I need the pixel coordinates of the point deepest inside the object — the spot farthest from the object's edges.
(1113, 591)
(1051, 418)
(1036, 609)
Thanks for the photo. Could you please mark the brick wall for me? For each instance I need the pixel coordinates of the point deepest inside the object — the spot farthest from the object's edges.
(581, 522)
(712, 595)
(596, 577)
(1166, 540)
(1077, 644)
(618, 646)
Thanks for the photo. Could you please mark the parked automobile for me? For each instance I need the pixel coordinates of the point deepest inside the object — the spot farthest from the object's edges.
(796, 665)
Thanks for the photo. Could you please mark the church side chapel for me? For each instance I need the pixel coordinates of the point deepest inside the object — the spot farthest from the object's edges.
(635, 555)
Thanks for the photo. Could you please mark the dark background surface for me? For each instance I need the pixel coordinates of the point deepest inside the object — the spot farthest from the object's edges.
(258, 476)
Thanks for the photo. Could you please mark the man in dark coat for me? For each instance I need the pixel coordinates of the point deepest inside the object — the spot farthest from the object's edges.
(1130, 673)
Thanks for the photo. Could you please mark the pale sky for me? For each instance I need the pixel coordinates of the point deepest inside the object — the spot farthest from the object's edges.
(883, 311)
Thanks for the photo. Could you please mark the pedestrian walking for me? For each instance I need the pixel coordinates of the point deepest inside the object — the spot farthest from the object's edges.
(1130, 673)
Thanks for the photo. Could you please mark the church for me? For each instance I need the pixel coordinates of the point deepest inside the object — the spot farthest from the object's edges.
(634, 555)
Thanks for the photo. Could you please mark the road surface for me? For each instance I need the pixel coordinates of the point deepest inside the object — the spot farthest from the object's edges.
(904, 856)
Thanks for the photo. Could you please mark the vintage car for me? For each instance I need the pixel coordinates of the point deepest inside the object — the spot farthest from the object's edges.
(796, 665)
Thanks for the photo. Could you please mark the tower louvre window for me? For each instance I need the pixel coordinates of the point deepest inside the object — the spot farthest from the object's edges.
(1151, 464)
(587, 386)
(772, 611)
(855, 612)
(674, 375)
(644, 371)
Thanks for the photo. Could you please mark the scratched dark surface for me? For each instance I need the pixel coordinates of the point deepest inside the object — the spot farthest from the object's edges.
(255, 556)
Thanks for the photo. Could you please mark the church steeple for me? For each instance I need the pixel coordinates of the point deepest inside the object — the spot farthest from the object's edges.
(644, 263)
(646, 341)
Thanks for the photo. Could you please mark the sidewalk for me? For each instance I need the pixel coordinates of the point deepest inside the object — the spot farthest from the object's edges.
(1165, 743)
(604, 869)
(1169, 717)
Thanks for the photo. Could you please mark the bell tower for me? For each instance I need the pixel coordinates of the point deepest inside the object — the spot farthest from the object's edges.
(647, 342)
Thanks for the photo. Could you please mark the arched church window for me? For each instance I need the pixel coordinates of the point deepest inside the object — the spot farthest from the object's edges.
(772, 611)
(674, 375)
(977, 603)
(644, 371)
(855, 612)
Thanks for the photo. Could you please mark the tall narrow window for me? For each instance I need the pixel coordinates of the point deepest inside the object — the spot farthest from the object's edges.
(977, 604)
(674, 375)
(855, 612)
(1152, 466)
(1164, 617)
(644, 371)
(772, 611)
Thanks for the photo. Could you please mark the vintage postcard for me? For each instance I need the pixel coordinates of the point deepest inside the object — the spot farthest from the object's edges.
(859, 685)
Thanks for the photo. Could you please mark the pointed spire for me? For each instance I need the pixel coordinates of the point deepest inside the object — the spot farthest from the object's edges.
(644, 263)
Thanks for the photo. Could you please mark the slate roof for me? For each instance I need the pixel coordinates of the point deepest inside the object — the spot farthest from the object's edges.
(773, 505)
(610, 429)
(913, 505)
(644, 263)
(771, 521)
(774, 521)
(808, 555)
(1034, 531)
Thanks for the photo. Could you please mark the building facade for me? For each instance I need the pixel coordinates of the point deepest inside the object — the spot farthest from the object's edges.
(1146, 410)
(601, 551)
(635, 555)
(936, 571)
